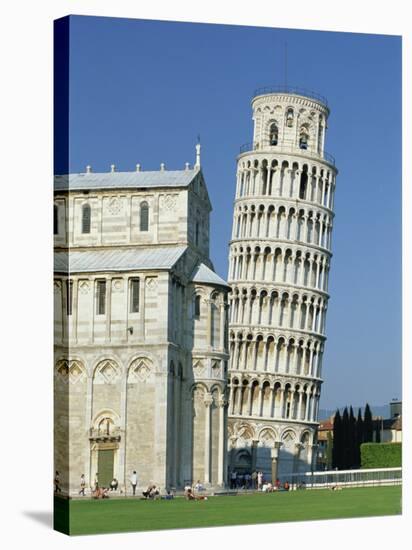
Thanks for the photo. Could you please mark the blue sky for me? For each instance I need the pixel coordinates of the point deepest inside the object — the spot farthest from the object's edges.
(141, 91)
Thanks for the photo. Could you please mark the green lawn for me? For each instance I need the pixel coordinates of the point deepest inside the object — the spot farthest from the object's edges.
(108, 516)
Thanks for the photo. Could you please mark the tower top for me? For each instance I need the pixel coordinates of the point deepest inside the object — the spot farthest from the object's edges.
(290, 90)
(198, 146)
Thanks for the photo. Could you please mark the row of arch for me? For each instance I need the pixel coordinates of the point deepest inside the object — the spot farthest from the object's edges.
(271, 178)
(294, 356)
(297, 311)
(110, 370)
(288, 401)
(289, 266)
(282, 223)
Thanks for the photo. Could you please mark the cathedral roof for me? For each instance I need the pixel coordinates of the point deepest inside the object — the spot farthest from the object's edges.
(122, 180)
(127, 259)
(203, 274)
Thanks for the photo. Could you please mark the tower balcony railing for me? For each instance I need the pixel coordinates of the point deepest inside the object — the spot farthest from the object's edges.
(284, 146)
(292, 90)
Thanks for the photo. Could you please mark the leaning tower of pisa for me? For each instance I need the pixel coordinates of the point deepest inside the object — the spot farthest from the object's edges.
(280, 255)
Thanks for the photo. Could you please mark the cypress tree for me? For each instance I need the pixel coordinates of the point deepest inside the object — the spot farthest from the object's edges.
(352, 439)
(329, 450)
(337, 441)
(378, 430)
(345, 440)
(367, 425)
(359, 438)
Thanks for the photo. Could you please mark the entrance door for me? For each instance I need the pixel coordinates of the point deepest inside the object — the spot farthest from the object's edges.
(105, 466)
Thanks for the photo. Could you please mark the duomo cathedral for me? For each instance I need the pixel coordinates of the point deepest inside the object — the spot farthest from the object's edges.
(161, 366)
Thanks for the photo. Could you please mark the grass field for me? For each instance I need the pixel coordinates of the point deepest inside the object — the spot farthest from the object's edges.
(122, 515)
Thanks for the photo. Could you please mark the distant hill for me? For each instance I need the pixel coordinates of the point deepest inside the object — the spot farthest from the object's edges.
(377, 410)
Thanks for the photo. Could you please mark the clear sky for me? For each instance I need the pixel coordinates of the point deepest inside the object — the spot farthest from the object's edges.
(141, 91)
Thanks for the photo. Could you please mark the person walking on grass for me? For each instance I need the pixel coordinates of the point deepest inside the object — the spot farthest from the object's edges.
(133, 481)
(82, 485)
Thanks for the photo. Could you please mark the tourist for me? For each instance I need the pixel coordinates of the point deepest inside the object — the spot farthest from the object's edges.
(254, 479)
(248, 479)
(168, 495)
(96, 481)
(114, 484)
(259, 480)
(286, 486)
(151, 492)
(277, 484)
(199, 486)
(57, 488)
(82, 485)
(133, 481)
(233, 477)
(189, 494)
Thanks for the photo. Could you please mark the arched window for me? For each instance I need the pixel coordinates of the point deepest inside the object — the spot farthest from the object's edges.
(86, 217)
(289, 117)
(56, 220)
(303, 185)
(303, 138)
(144, 216)
(273, 134)
(197, 307)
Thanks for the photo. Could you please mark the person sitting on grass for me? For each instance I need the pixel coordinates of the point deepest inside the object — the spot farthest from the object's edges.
(199, 486)
(286, 486)
(100, 492)
(151, 492)
(168, 496)
(114, 484)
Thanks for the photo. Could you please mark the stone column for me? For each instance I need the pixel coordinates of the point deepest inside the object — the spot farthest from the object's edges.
(89, 406)
(301, 392)
(222, 404)
(307, 405)
(122, 446)
(207, 402)
(282, 402)
(108, 308)
(274, 454)
(75, 307)
(296, 455)
(254, 453)
(222, 326)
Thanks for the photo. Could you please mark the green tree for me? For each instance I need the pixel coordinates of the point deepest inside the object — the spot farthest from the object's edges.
(337, 441)
(367, 425)
(359, 438)
(378, 430)
(352, 439)
(346, 444)
(329, 451)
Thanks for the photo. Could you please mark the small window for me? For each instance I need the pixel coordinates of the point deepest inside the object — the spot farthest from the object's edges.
(134, 294)
(273, 134)
(69, 296)
(197, 307)
(56, 220)
(197, 234)
(144, 216)
(101, 297)
(86, 216)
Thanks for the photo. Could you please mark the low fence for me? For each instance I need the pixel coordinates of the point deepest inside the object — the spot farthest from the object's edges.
(346, 478)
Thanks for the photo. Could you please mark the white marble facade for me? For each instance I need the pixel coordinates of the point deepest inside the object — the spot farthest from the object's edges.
(280, 255)
(140, 331)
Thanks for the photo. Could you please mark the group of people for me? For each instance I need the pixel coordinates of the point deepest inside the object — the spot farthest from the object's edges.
(256, 481)
(239, 480)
